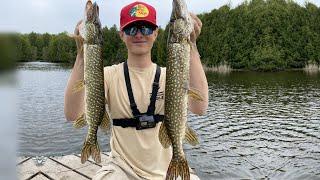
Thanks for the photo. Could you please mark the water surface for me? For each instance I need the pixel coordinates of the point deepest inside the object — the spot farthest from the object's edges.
(258, 125)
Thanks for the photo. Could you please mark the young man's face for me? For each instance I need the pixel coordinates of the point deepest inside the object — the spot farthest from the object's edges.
(137, 40)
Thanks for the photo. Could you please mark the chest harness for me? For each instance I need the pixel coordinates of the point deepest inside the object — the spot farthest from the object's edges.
(141, 120)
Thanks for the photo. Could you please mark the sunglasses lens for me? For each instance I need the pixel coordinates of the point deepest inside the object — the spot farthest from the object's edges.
(146, 30)
(132, 31)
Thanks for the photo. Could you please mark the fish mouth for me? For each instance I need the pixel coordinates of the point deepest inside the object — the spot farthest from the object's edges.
(92, 11)
(179, 10)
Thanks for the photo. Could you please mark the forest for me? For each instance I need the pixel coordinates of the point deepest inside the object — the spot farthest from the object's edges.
(260, 35)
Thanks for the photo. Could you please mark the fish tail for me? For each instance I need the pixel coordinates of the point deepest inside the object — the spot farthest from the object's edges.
(80, 122)
(90, 149)
(178, 167)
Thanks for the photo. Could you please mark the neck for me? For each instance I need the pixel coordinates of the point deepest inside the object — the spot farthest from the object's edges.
(139, 61)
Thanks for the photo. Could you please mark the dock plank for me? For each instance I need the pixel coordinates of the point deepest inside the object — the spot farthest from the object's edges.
(58, 171)
(74, 162)
(40, 177)
(66, 167)
(20, 160)
(27, 169)
(104, 157)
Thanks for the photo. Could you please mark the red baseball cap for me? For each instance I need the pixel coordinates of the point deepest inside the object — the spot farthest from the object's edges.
(137, 11)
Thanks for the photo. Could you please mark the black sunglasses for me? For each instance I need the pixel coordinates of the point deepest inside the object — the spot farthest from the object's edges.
(146, 30)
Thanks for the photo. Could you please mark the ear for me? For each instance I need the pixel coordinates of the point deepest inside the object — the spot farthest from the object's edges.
(155, 33)
(121, 34)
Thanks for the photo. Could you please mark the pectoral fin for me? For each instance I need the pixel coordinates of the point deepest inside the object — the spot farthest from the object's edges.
(80, 122)
(191, 136)
(163, 136)
(105, 124)
(78, 86)
(194, 94)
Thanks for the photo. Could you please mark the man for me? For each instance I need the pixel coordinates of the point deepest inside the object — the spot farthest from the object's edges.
(136, 154)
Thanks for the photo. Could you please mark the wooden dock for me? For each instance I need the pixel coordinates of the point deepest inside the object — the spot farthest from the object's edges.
(57, 167)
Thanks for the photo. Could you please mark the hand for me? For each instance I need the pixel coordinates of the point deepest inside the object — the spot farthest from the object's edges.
(197, 28)
(78, 26)
(77, 38)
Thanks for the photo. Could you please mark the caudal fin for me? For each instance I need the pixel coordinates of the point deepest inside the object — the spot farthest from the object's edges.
(178, 167)
(88, 150)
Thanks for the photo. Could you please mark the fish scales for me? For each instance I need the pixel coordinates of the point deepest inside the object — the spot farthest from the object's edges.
(95, 114)
(174, 128)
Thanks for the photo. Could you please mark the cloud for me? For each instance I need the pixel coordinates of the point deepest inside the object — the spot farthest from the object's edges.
(56, 16)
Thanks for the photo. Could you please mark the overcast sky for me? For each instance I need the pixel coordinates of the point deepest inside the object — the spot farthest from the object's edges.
(54, 16)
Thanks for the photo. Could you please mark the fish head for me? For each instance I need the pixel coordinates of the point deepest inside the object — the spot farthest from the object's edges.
(91, 12)
(181, 23)
(92, 32)
(179, 9)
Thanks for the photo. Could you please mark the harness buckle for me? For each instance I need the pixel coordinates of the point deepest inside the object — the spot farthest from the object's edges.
(145, 122)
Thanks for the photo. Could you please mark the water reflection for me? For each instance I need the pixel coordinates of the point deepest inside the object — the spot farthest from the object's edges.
(43, 66)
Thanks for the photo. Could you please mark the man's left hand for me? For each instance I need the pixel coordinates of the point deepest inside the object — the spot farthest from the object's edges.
(197, 28)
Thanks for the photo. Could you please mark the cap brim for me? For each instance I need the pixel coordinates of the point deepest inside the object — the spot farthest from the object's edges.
(137, 20)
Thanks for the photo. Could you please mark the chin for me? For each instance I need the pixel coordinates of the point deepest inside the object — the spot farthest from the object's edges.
(139, 51)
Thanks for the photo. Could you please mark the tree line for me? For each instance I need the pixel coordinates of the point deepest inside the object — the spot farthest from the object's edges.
(257, 35)
(262, 35)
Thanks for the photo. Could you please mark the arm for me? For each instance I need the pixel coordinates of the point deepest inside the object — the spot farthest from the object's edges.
(74, 102)
(198, 80)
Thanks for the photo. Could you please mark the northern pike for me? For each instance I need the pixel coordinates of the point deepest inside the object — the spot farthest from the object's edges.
(174, 129)
(95, 114)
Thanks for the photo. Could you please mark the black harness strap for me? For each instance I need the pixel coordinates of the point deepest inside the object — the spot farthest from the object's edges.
(134, 122)
(155, 88)
(133, 105)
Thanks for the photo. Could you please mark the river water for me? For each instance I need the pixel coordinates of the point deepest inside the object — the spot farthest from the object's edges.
(258, 125)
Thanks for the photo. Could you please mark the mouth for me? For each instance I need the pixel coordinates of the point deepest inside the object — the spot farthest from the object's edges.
(139, 42)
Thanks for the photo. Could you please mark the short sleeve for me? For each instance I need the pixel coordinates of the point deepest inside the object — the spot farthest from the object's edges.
(109, 72)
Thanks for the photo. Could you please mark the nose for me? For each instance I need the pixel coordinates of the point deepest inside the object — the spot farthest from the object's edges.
(139, 34)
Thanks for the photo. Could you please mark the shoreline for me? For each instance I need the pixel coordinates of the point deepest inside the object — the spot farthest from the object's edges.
(223, 69)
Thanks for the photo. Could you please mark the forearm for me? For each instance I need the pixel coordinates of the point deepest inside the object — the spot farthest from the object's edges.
(198, 82)
(74, 101)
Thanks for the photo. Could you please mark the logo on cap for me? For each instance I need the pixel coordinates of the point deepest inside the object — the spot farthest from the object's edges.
(139, 10)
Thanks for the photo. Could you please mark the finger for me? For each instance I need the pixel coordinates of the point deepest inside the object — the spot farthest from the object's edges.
(76, 30)
(197, 29)
(193, 34)
(79, 22)
(193, 37)
(196, 19)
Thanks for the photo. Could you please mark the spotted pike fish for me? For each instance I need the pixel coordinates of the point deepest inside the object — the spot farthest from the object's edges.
(95, 114)
(174, 129)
